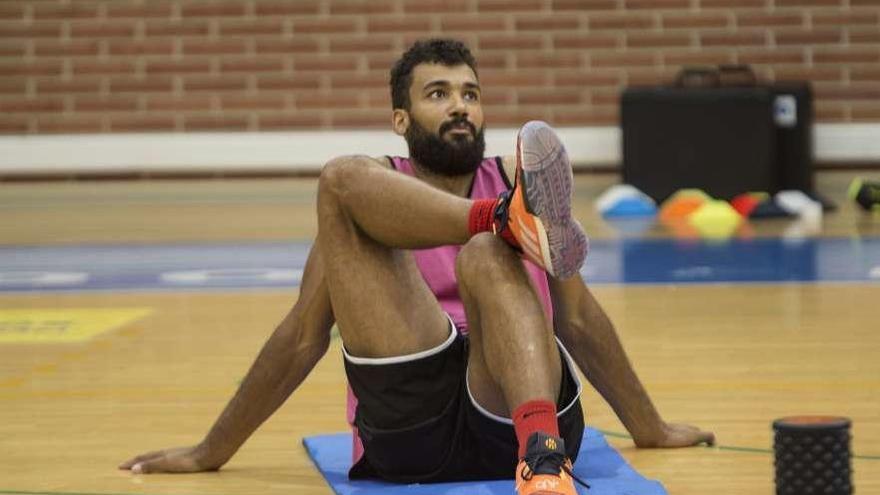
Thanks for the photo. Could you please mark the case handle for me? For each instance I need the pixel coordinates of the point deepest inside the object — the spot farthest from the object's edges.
(698, 77)
(727, 75)
(737, 75)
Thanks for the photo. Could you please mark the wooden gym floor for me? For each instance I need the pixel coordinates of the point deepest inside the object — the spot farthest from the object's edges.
(727, 357)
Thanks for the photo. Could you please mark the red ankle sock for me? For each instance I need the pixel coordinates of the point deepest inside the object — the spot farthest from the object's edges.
(536, 415)
(482, 217)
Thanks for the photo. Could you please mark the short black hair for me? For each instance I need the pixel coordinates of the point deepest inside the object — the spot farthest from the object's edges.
(432, 51)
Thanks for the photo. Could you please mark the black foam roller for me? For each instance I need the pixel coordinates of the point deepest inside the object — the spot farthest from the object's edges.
(812, 455)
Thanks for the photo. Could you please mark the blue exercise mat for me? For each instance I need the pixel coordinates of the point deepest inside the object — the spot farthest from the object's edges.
(598, 464)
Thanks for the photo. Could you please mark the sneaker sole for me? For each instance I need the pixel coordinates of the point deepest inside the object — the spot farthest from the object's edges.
(547, 182)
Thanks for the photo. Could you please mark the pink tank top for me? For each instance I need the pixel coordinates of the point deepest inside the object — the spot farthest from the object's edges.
(437, 265)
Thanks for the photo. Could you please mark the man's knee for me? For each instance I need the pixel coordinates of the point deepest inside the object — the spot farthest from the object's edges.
(336, 176)
(337, 181)
(481, 256)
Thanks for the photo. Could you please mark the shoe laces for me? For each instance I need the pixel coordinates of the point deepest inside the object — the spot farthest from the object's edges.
(501, 213)
(547, 463)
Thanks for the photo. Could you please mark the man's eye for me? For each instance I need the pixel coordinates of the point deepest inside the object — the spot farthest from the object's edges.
(472, 95)
(437, 93)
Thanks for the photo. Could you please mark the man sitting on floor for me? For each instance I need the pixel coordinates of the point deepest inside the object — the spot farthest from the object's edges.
(458, 298)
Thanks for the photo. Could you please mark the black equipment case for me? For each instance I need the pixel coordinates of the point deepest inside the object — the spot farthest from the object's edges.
(720, 131)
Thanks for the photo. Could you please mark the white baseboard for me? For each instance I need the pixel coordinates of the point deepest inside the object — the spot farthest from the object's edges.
(308, 151)
(847, 143)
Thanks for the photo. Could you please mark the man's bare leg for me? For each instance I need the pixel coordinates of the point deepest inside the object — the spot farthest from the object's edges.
(514, 357)
(515, 369)
(394, 209)
(380, 300)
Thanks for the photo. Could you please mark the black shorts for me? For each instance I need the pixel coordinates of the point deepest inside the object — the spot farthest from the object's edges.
(419, 423)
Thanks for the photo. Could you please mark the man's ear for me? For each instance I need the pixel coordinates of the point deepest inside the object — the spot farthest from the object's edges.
(400, 121)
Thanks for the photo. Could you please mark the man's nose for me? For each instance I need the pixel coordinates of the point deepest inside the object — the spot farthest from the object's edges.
(458, 105)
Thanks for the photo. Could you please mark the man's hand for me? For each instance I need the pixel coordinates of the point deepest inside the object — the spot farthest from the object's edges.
(179, 460)
(674, 435)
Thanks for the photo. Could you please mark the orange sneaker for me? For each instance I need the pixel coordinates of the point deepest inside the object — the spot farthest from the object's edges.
(537, 211)
(545, 470)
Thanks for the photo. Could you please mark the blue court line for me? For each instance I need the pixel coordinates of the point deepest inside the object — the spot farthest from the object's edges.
(268, 265)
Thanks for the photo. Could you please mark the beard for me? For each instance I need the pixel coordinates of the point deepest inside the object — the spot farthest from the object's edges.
(448, 158)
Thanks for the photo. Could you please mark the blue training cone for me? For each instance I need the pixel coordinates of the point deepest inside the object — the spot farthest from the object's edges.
(624, 200)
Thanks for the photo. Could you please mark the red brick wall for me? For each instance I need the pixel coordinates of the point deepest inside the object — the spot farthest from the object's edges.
(187, 65)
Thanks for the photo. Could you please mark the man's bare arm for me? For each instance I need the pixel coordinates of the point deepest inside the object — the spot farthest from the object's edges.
(297, 344)
(589, 335)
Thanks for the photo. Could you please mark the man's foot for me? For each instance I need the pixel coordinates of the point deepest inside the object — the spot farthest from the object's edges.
(545, 470)
(538, 208)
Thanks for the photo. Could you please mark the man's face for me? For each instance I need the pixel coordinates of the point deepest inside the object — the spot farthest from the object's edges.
(445, 132)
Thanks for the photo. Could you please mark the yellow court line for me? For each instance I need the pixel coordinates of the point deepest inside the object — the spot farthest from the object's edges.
(62, 326)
